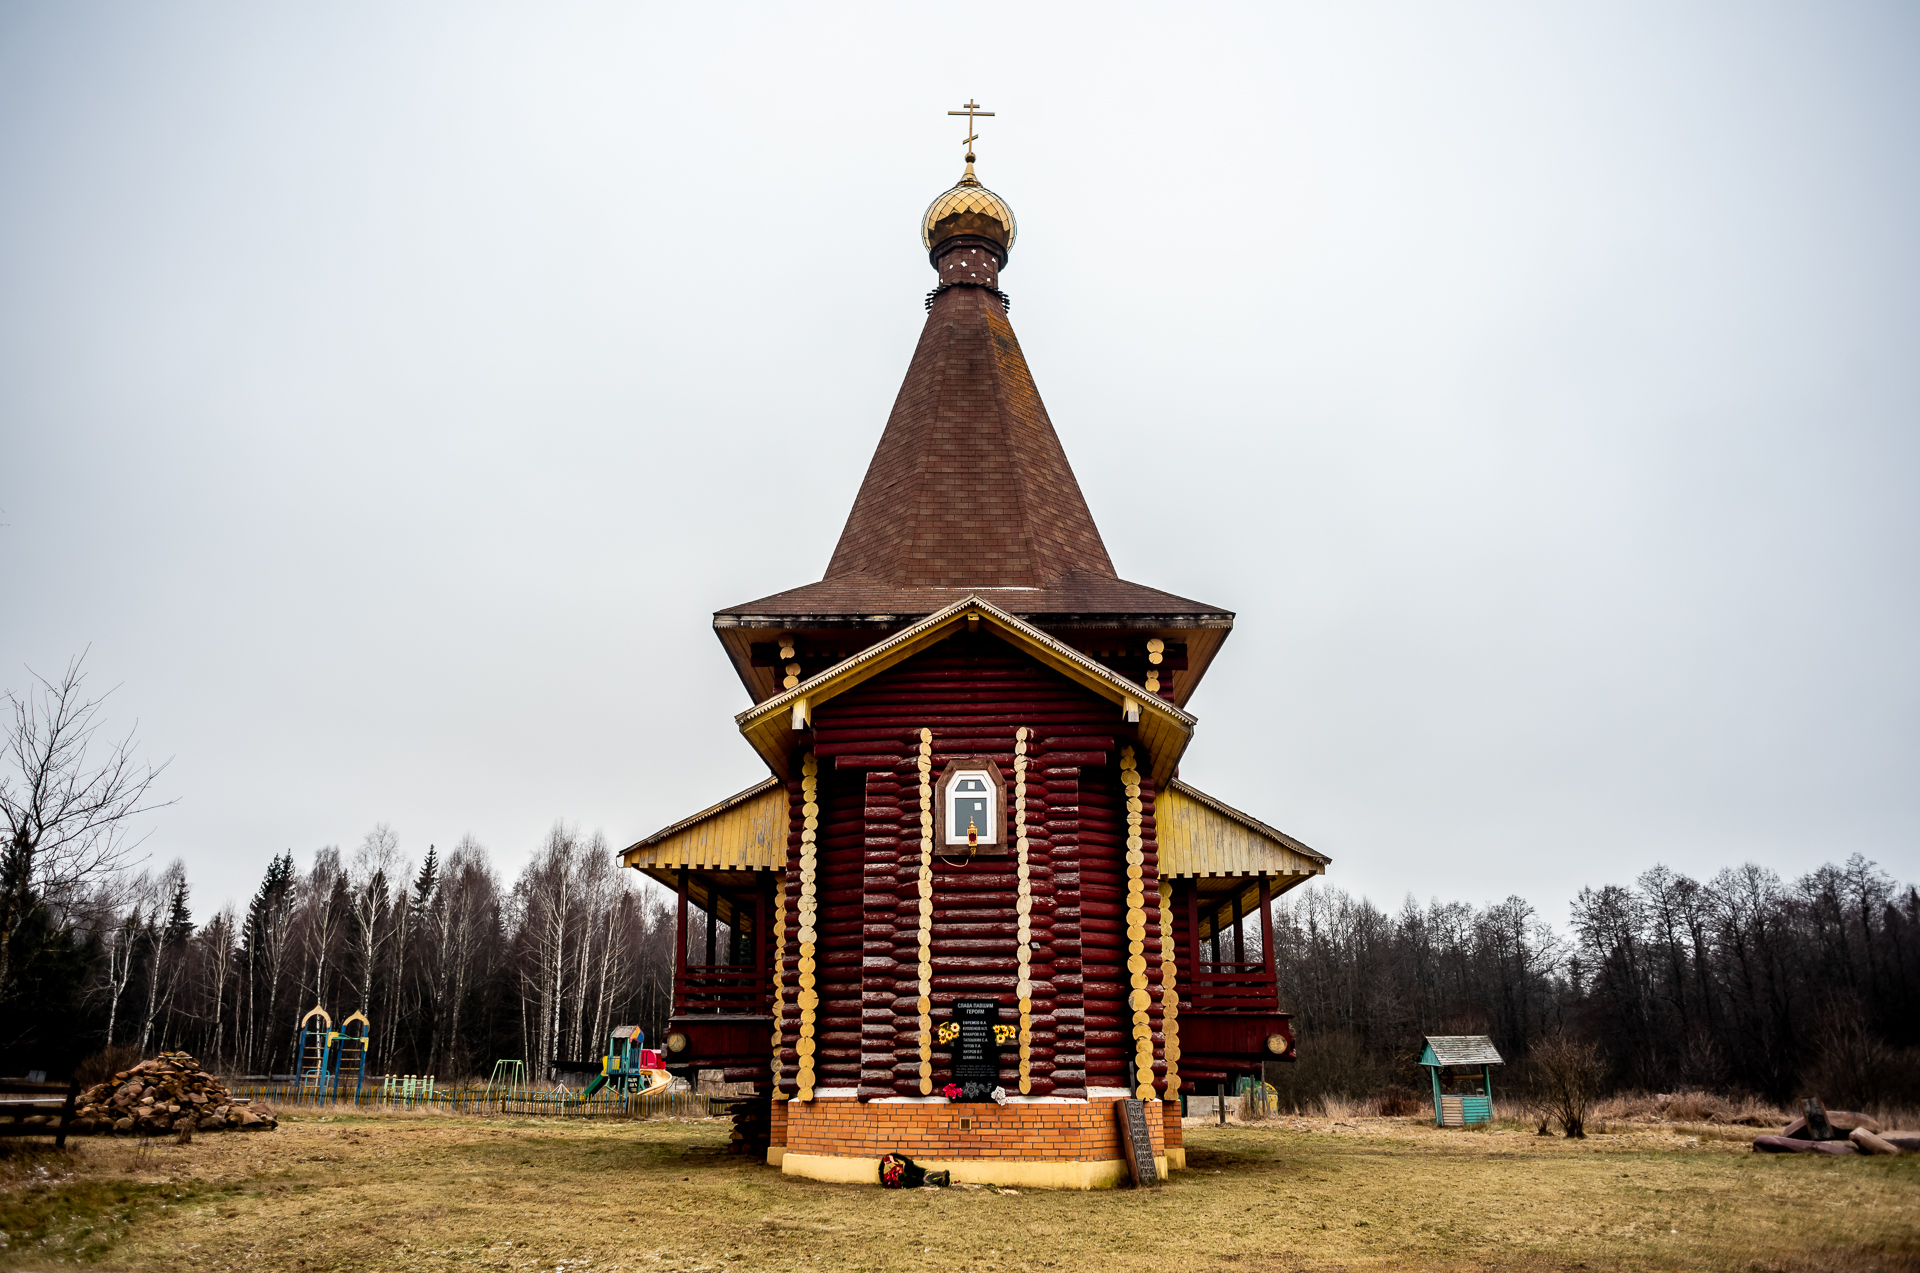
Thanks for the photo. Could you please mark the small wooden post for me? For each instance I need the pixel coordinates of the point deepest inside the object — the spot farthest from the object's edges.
(760, 935)
(1193, 935)
(1266, 938)
(713, 921)
(1433, 1071)
(66, 1114)
(1220, 1095)
(680, 946)
(1239, 931)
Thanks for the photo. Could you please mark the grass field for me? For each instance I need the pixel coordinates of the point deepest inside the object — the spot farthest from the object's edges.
(439, 1193)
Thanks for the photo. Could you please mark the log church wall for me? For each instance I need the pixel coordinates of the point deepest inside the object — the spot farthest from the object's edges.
(972, 693)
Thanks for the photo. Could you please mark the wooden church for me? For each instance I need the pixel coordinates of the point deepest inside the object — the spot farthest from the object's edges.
(972, 905)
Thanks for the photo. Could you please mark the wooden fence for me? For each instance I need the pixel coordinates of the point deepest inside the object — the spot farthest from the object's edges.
(521, 1103)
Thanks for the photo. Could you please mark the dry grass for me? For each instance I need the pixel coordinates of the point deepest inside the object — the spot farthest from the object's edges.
(433, 1194)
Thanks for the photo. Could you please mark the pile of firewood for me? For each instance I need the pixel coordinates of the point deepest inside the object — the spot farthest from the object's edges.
(1836, 1131)
(170, 1093)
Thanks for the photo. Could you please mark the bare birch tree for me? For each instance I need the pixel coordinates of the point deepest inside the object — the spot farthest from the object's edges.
(322, 914)
(68, 803)
(373, 863)
(163, 966)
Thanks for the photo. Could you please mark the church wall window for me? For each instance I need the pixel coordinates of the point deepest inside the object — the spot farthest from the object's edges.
(971, 790)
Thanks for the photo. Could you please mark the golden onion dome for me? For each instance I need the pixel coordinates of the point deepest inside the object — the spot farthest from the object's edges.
(969, 208)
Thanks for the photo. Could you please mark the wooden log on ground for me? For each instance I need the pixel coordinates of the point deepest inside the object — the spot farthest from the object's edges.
(1867, 1143)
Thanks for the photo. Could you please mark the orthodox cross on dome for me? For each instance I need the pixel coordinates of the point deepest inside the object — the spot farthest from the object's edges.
(971, 111)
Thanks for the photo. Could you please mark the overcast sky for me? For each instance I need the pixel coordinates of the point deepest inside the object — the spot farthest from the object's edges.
(390, 392)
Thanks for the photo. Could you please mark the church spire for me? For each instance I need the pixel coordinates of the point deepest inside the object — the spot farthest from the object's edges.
(968, 491)
(969, 487)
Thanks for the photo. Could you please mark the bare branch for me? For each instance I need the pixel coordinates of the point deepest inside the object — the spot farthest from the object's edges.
(66, 811)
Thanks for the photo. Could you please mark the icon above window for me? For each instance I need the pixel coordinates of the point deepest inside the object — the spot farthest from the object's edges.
(970, 804)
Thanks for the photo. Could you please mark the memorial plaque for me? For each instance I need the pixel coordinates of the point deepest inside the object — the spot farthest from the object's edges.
(976, 1053)
(1137, 1140)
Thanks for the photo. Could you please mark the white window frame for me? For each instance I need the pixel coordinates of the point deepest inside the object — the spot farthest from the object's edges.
(957, 828)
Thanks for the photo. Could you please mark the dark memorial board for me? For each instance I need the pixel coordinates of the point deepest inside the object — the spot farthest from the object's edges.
(1137, 1140)
(976, 1053)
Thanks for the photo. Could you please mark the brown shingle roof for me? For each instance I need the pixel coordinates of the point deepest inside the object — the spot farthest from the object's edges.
(1076, 592)
(970, 491)
(969, 487)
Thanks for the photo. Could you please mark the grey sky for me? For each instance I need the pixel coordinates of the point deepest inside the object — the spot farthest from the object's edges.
(389, 393)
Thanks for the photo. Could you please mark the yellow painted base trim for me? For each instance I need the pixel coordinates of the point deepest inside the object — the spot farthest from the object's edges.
(841, 1171)
(1092, 1174)
(776, 1154)
(1177, 1159)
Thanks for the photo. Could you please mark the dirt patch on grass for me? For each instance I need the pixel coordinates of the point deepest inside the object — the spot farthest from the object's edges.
(430, 1194)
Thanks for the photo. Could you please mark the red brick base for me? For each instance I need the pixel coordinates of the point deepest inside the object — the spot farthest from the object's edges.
(837, 1138)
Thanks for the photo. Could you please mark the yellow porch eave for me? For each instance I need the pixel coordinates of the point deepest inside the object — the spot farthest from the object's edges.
(1164, 729)
(744, 832)
(1203, 836)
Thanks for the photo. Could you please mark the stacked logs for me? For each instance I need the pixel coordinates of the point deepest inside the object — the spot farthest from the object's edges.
(169, 1093)
(1837, 1131)
(752, 1125)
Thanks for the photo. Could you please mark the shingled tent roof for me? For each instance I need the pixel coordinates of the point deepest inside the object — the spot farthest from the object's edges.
(969, 485)
(971, 490)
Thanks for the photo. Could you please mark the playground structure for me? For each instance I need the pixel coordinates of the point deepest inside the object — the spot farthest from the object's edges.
(508, 1077)
(329, 1059)
(629, 1065)
(331, 1065)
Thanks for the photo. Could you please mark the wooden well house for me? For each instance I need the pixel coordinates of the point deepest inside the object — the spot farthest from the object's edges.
(971, 730)
(1461, 1067)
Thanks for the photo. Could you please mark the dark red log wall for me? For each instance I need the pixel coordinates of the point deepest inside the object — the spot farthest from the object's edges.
(973, 691)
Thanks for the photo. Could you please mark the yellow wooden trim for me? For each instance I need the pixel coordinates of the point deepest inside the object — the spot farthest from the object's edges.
(1201, 836)
(1137, 998)
(1169, 996)
(925, 966)
(1023, 986)
(808, 916)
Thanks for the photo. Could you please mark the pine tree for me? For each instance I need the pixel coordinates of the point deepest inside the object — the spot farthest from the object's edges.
(425, 883)
(264, 942)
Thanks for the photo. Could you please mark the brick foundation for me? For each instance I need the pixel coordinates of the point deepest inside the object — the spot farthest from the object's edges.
(777, 1132)
(1070, 1145)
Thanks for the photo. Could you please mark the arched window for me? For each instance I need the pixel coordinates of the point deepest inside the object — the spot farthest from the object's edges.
(970, 802)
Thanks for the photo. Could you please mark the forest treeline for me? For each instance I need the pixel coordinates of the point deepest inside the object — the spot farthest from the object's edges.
(1744, 982)
(453, 966)
(1741, 983)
